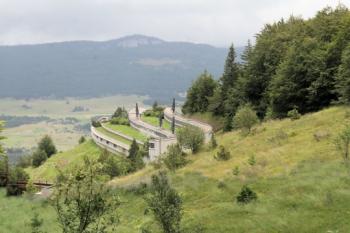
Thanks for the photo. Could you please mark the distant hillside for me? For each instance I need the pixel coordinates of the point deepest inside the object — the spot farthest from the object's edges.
(130, 65)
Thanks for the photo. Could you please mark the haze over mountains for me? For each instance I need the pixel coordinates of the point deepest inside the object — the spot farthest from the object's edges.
(134, 64)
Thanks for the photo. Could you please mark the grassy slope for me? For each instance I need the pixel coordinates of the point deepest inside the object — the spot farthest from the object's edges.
(127, 130)
(114, 136)
(301, 183)
(155, 122)
(64, 160)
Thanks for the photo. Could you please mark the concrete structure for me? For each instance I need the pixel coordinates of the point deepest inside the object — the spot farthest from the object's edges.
(181, 121)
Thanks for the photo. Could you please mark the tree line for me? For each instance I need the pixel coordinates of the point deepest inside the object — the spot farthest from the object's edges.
(295, 64)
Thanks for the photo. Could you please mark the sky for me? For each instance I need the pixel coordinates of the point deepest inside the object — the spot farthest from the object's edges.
(215, 22)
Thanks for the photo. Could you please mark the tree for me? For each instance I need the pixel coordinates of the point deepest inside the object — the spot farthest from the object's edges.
(161, 117)
(246, 195)
(190, 137)
(15, 175)
(135, 156)
(113, 165)
(342, 143)
(173, 125)
(82, 139)
(174, 158)
(231, 71)
(46, 144)
(198, 94)
(120, 113)
(213, 143)
(245, 118)
(165, 203)
(137, 110)
(1, 137)
(82, 200)
(3, 161)
(39, 157)
(343, 77)
(173, 106)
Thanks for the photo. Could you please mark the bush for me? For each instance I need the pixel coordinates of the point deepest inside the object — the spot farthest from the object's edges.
(82, 139)
(190, 137)
(120, 113)
(24, 161)
(120, 121)
(235, 171)
(16, 174)
(294, 114)
(222, 154)
(213, 143)
(38, 157)
(95, 123)
(174, 158)
(246, 195)
(112, 165)
(245, 118)
(46, 144)
(252, 160)
(342, 143)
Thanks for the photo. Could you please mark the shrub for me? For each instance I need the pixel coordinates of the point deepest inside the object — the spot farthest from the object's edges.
(16, 174)
(252, 160)
(82, 139)
(120, 121)
(120, 113)
(342, 143)
(294, 114)
(222, 154)
(112, 165)
(190, 137)
(174, 158)
(95, 123)
(39, 157)
(245, 118)
(46, 144)
(235, 171)
(246, 195)
(213, 143)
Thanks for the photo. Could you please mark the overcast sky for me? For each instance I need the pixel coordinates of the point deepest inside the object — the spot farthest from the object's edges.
(216, 22)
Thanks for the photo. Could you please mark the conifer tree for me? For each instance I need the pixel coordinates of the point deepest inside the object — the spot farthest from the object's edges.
(173, 125)
(137, 110)
(173, 106)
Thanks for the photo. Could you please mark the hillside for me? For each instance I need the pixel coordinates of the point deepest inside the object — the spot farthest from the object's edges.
(130, 65)
(296, 177)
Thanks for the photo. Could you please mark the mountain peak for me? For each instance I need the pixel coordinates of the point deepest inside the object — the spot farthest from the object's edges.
(136, 40)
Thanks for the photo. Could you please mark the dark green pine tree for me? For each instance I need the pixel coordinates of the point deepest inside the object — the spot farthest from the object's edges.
(137, 110)
(173, 125)
(134, 148)
(173, 105)
(231, 71)
(161, 116)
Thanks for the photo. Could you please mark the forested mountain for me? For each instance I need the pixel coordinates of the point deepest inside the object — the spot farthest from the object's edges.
(295, 65)
(130, 65)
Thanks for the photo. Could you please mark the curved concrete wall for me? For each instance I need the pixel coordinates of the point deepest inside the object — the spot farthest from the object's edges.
(108, 143)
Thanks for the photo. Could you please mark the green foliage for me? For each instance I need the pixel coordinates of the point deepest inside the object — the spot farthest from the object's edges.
(190, 137)
(246, 195)
(113, 165)
(1, 137)
(83, 202)
(343, 76)
(46, 144)
(136, 156)
(24, 161)
(236, 171)
(252, 160)
(342, 143)
(82, 139)
(165, 203)
(16, 174)
(95, 123)
(294, 114)
(223, 154)
(120, 121)
(245, 118)
(174, 158)
(36, 223)
(213, 143)
(39, 157)
(199, 93)
(120, 113)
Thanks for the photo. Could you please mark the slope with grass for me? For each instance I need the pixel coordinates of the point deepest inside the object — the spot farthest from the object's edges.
(64, 160)
(299, 177)
(127, 130)
(155, 122)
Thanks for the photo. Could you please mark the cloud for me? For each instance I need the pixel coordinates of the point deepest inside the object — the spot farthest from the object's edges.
(217, 22)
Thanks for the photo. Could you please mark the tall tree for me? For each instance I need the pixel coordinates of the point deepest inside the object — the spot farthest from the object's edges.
(231, 71)
(173, 106)
(343, 77)
(165, 203)
(173, 125)
(137, 110)
(199, 93)
(4, 165)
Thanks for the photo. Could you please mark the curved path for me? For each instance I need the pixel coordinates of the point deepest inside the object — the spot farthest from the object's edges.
(180, 120)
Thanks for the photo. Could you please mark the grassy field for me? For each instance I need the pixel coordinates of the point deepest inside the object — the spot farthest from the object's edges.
(127, 130)
(155, 122)
(65, 135)
(64, 160)
(301, 181)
